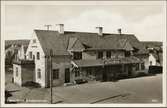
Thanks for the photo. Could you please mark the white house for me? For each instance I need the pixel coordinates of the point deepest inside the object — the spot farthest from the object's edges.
(79, 55)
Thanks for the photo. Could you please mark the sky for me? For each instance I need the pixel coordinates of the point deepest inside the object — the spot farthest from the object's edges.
(146, 20)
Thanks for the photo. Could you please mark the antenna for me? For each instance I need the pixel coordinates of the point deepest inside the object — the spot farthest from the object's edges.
(48, 26)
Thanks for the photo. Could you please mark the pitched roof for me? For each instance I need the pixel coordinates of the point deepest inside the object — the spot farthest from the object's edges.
(152, 44)
(60, 42)
(8, 43)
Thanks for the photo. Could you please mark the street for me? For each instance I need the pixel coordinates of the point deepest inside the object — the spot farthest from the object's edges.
(146, 89)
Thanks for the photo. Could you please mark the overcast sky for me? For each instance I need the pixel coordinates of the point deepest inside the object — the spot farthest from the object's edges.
(146, 21)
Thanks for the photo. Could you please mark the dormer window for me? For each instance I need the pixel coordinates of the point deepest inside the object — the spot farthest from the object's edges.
(77, 55)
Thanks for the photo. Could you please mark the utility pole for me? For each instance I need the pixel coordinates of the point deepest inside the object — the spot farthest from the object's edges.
(48, 26)
(51, 80)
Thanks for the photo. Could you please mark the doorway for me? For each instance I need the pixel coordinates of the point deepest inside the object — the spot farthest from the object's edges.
(67, 75)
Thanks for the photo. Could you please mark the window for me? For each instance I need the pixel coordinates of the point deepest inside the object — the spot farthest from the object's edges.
(39, 73)
(38, 55)
(100, 55)
(33, 57)
(127, 53)
(55, 74)
(137, 66)
(30, 55)
(77, 73)
(88, 72)
(150, 63)
(77, 55)
(16, 71)
(108, 54)
(142, 66)
(34, 40)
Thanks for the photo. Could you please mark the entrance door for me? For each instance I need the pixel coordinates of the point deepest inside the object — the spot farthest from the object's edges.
(67, 75)
(104, 74)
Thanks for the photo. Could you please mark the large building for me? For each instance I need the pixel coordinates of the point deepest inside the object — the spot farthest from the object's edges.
(81, 55)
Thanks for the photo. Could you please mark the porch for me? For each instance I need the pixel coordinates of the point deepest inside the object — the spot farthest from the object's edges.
(106, 70)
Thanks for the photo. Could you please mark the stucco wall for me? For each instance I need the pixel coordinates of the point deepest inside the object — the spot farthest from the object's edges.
(152, 59)
(39, 64)
(17, 79)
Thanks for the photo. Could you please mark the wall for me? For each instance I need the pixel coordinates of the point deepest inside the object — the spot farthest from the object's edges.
(89, 55)
(117, 54)
(145, 58)
(92, 55)
(27, 73)
(61, 67)
(17, 79)
(39, 64)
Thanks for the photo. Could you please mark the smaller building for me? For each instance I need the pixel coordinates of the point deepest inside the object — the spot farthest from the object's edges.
(155, 53)
(23, 69)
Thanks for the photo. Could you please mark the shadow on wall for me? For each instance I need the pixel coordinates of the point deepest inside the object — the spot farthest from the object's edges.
(31, 84)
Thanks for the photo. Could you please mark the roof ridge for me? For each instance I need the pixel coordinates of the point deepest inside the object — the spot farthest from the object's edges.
(68, 31)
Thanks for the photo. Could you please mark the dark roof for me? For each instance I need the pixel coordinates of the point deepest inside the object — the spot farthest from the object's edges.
(101, 62)
(25, 48)
(152, 44)
(59, 42)
(8, 43)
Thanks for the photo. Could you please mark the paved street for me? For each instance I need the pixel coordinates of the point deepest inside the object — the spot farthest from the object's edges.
(137, 90)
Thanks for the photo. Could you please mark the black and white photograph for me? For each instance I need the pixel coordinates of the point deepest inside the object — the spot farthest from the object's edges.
(83, 53)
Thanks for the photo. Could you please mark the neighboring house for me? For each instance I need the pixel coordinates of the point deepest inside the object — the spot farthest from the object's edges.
(11, 49)
(155, 52)
(22, 69)
(81, 55)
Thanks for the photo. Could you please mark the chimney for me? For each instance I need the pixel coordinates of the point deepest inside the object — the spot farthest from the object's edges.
(100, 31)
(61, 28)
(119, 31)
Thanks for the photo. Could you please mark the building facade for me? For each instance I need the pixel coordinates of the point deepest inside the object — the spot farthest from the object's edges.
(80, 55)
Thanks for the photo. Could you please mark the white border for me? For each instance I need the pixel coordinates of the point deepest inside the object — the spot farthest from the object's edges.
(3, 3)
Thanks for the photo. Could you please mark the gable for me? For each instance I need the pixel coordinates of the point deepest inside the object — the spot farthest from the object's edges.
(34, 47)
(77, 46)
